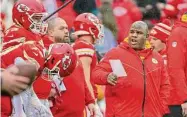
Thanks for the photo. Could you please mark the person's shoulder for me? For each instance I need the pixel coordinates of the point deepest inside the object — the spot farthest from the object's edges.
(179, 28)
(82, 44)
(12, 32)
(15, 33)
(155, 53)
(113, 52)
(83, 49)
(16, 30)
(13, 36)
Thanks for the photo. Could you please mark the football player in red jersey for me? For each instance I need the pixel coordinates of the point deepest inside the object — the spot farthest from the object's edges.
(58, 63)
(27, 16)
(16, 55)
(89, 30)
(23, 42)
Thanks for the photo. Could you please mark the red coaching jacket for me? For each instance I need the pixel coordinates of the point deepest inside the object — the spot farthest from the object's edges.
(143, 92)
(177, 63)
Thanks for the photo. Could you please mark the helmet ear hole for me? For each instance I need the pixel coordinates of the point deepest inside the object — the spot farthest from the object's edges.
(52, 61)
(93, 29)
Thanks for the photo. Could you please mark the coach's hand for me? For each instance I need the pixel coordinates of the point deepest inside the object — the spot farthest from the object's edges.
(112, 79)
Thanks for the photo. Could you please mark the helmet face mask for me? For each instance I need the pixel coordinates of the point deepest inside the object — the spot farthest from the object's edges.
(37, 26)
(30, 14)
(61, 60)
(51, 73)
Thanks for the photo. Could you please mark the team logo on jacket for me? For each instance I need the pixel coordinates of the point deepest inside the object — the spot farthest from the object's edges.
(174, 44)
(154, 61)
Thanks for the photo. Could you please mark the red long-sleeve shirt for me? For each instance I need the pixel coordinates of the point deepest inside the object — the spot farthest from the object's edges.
(177, 63)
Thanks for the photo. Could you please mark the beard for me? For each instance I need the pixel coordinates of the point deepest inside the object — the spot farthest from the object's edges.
(62, 40)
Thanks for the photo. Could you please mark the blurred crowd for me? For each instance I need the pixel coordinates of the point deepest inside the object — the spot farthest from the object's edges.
(116, 15)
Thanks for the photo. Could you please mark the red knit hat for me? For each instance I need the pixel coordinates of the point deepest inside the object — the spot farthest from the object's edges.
(161, 31)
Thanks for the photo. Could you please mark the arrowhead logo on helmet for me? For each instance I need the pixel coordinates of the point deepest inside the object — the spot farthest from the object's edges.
(23, 8)
(66, 61)
(61, 60)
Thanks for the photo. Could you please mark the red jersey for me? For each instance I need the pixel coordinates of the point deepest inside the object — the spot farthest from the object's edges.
(84, 49)
(43, 80)
(16, 35)
(177, 63)
(47, 40)
(19, 44)
(28, 51)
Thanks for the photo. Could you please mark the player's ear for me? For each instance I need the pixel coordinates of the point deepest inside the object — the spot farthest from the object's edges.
(147, 35)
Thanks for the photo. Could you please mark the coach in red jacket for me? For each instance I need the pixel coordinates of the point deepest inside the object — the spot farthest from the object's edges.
(140, 87)
(177, 66)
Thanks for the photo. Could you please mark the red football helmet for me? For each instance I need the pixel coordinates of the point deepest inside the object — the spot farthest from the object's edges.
(61, 59)
(88, 24)
(29, 14)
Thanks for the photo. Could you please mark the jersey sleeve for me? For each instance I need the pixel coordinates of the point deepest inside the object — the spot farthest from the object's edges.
(83, 49)
(28, 52)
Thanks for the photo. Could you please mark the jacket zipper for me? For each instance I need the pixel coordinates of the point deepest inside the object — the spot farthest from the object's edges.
(143, 103)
